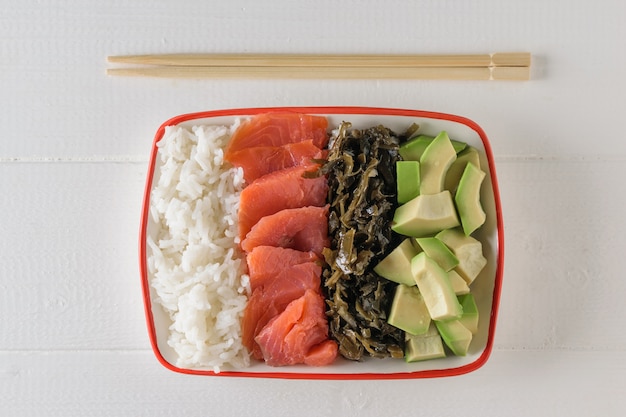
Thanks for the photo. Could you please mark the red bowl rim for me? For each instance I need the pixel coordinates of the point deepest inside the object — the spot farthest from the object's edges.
(356, 110)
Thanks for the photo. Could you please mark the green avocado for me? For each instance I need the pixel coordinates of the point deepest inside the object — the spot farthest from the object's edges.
(467, 199)
(407, 180)
(434, 164)
(437, 250)
(424, 346)
(469, 154)
(468, 251)
(459, 285)
(408, 311)
(396, 266)
(425, 215)
(434, 285)
(413, 149)
(456, 336)
(469, 318)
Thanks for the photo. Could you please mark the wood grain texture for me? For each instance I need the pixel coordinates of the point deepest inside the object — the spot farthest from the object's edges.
(133, 384)
(61, 48)
(68, 257)
(563, 239)
(73, 157)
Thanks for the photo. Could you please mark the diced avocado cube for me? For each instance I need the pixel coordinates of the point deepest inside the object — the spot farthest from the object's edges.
(456, 336)
(469, 154)
(425, 215)
(470, 317)
(467, 199)
(468, 251)
(424, 346)
(437, 250)
(459, 285)
(408, 311)
(396, 266)
(434, 164)
(434, 285)
(408, 180)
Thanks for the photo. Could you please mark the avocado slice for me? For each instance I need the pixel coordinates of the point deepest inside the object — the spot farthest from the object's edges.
(469, 318)
(408, 310)
(437, 250)
(467, 199)
(468, 251)
(434, 285)
(424, 346)
(456, 336)
(396, 266)
(434, 164)
(413, 149)
(459, 285)
(425, 214)
(469, 154)
(407, 180)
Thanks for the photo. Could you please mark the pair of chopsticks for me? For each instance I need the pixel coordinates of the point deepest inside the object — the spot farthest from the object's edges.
(497, 66)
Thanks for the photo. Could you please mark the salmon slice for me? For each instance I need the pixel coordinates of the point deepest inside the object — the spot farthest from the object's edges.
(289, 337)
(259, 311)
(267, 262)
(279, 190)
(303, 229)
(271, 299)
(278, 129)
(323, 353)
(262, 160)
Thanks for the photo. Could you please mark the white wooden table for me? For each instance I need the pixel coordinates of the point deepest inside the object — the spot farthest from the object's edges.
(73, 158)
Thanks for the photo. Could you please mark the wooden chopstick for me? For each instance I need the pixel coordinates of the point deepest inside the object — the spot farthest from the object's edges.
(499, 66)
(345, 73)
(516, 59)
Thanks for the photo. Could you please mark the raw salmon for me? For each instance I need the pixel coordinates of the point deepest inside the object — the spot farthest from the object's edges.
(267, 262)
(289, 337)
(323, 353)
(279, 190)
(260, 309)
(270, 299)
(304, 229)
(278, 129)
(262, 160)
(283, 227)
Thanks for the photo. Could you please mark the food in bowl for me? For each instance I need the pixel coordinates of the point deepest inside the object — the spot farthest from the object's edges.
(333, 212)
(196, 270)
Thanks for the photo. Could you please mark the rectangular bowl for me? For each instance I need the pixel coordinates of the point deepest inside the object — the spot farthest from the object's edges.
(486, 288)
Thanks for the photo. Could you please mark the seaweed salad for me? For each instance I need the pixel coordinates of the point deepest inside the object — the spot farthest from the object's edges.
(362, 196)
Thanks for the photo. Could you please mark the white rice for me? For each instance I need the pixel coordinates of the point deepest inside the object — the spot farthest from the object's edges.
(196, 268)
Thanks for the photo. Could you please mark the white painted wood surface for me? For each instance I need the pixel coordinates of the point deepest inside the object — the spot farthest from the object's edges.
(73, 158)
